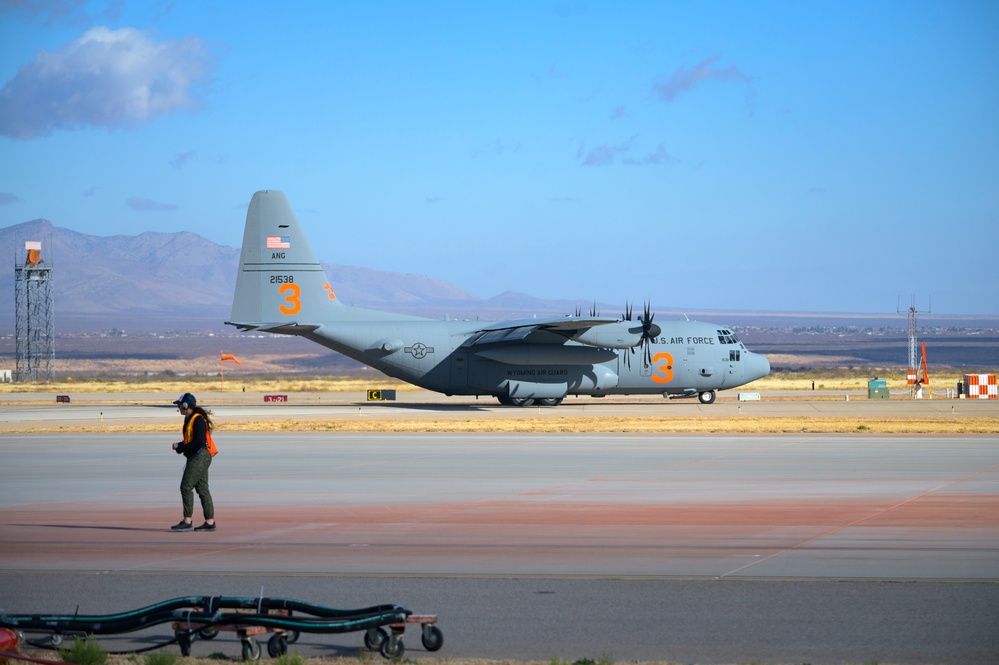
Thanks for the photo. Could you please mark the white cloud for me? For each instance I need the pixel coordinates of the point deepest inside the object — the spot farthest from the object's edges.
(182, 158)
(606, 155)
(684, 80)
(47, 12)
(66, 12)
(659, 156)
(106, 78)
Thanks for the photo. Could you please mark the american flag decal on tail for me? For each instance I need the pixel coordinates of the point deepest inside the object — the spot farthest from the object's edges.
(278, 242)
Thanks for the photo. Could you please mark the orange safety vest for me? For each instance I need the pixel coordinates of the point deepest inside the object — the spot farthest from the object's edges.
(209, 441)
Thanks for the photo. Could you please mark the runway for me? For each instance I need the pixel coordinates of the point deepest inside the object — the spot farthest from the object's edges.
(29, 412)
(705, 549)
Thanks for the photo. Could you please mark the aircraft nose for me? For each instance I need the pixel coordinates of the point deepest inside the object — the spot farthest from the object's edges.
(757, 367)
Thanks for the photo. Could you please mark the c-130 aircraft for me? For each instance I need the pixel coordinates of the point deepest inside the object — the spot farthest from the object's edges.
(281, 288)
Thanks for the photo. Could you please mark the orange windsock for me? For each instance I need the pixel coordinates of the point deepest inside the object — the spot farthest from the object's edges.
(229, 356)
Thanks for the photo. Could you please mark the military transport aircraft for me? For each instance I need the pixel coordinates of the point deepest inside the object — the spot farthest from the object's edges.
(281, 288)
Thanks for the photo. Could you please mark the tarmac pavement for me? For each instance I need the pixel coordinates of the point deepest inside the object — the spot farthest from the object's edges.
(809, 548)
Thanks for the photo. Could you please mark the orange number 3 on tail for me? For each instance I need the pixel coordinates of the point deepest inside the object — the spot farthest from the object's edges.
(292, 293)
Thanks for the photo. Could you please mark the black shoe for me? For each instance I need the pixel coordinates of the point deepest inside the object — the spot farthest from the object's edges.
(182, 526)
(205, 527)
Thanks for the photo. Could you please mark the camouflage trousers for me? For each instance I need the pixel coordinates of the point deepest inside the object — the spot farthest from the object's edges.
(196, 478)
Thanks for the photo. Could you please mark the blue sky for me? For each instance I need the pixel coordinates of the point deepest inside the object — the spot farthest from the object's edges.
(770, 156)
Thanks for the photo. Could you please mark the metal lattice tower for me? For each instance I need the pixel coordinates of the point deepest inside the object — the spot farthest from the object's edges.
(915, 361)
(34, 334)
(912, 341)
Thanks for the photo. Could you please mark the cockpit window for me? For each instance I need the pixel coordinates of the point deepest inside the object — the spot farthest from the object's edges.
(727, 337)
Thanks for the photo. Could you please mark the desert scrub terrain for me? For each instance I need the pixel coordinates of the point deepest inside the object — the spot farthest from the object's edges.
(803, 381)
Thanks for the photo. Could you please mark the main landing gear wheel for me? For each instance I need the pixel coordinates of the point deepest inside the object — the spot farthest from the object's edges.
(707, 397)
(506, 400)
(548, 401)
(433, 638)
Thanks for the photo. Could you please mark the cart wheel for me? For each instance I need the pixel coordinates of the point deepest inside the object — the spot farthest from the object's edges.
(374, 638)
(291, 636)
(433, 638)
(251, 650)
(277, 645)
(56, 639)
(392, 648)
(209, 633)
(184, 642)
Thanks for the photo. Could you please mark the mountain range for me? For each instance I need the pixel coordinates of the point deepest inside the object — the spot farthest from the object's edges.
(183, 281)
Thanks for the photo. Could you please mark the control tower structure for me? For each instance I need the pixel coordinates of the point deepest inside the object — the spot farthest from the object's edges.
(34, 333)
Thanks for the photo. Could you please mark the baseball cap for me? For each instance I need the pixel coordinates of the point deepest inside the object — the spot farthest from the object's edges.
(186, 398)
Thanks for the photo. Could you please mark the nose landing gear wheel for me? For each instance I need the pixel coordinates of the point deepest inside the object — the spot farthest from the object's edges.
(707, 397)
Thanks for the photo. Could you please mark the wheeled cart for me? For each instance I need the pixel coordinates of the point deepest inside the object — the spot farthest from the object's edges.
(389, 644)
(186, 632)
(203, 617)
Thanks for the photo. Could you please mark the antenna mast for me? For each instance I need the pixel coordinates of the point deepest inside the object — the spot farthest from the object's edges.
(915, 363)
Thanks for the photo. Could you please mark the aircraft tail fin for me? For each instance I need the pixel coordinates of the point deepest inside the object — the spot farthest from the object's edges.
(280, 286)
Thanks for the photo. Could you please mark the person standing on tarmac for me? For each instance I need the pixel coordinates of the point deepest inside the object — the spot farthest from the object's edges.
(197, 424)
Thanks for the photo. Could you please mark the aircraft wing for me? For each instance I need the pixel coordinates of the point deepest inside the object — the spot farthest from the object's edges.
(554, 323)
(598, 331)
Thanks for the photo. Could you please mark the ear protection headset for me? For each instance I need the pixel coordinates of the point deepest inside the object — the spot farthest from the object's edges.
(183, 406)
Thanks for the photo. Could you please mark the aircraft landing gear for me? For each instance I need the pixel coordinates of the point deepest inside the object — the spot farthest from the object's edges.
(506, 400)
(707, 397)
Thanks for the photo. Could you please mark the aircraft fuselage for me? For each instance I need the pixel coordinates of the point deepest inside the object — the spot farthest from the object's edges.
(687, 358)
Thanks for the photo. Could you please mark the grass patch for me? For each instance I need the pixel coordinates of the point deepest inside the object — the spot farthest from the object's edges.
(161, 658)
(84, 652)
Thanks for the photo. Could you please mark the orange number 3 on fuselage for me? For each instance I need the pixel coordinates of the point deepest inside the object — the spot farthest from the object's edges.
(293, 303)
(663, 367)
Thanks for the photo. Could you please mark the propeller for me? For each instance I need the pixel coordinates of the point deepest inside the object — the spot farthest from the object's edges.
(593, 311)
(649, 332)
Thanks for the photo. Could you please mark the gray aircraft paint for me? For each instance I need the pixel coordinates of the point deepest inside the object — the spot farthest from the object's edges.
(281, 288)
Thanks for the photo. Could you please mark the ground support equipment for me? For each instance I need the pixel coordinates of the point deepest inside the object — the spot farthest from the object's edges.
(192, 617)
(186, 632)
(389, 644)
